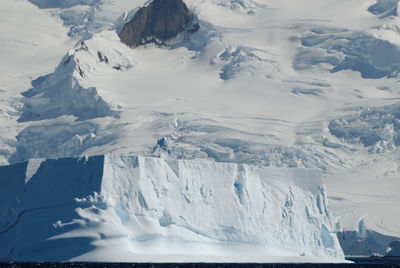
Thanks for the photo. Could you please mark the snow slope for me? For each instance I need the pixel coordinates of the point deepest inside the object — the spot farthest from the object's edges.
(279, 83)
(26, 52)
(163, 210)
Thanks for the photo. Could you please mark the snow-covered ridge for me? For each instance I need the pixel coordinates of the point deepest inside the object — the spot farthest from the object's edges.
(61, 93)
(153, 207)
(349, 50)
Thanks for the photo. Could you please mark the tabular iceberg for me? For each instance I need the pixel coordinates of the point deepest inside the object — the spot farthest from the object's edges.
(131, 208)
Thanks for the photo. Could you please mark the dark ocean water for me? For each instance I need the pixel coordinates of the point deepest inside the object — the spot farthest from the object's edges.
(359, 262)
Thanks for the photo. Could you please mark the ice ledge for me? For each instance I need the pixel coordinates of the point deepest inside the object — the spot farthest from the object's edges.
(98, 207)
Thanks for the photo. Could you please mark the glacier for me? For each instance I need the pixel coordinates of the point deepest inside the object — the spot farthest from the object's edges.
(268, 83)
(132, 208)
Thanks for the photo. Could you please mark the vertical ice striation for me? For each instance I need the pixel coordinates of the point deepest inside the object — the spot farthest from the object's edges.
(148, 209)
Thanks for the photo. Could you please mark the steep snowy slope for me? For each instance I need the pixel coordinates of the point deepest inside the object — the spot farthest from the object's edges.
(274, 83)
(163, 210)
(32, 44)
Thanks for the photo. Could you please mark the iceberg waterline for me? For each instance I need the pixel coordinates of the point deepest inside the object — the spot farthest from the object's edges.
(132, 208)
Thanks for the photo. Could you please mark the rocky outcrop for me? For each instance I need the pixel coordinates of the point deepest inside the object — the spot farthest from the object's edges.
(159, 21)
(394, 249)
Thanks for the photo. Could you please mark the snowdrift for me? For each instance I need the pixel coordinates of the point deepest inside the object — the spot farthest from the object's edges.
(130, 208)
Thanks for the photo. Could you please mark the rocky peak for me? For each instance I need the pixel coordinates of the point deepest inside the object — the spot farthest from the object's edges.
(159, 21)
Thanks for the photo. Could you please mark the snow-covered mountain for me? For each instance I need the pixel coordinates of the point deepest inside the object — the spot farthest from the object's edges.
(310, 84)
(163, 210)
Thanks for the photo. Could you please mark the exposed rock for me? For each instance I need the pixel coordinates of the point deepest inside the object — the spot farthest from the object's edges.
(160, 21)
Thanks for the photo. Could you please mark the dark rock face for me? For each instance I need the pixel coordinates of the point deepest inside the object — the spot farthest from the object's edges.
(159, 21)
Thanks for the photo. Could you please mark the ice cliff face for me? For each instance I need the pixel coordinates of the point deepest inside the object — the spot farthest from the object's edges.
(129, 208)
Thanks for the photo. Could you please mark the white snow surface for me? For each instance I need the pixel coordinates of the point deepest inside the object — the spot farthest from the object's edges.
(283, 83)
(163, 210)
(61, 94)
